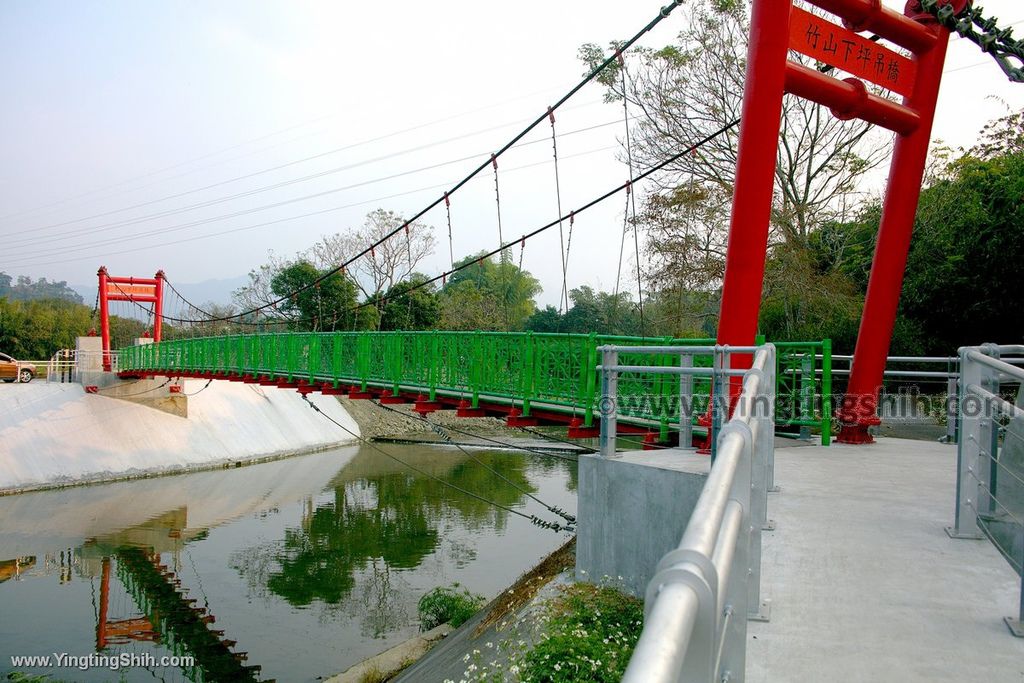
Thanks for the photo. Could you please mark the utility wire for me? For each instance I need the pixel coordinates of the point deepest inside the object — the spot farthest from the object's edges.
(278, 221)
(555, 526)
(91, 230)
(349, 146)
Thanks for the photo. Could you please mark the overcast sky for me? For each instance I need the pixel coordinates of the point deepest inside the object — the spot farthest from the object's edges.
(112, 105)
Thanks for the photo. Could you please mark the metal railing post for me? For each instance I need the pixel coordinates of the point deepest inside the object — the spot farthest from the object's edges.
(968, 449)
(806, 393)
(685, 402)
(761, 476)
(607, 405)
(720, 383)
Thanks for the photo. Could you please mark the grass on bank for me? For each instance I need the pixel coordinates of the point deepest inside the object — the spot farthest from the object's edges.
(448, 605)
(586, 633)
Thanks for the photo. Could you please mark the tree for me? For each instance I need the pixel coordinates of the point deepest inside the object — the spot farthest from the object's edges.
(408, 305)
(388, 263)
(488, 295)
(603, 312)
(27, 290)
(259, 292)
(684, 92)
(35, 330)
(961, 285)
(327, 305)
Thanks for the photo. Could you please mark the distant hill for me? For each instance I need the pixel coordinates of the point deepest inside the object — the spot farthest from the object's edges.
(25, 289)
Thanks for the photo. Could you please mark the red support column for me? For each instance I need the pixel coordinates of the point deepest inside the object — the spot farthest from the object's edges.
(755, 174)
(910, 154)
(158, 306)
(104, 318)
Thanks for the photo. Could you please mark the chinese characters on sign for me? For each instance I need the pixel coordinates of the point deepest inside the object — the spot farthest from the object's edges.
(140, 292)
(839, 47)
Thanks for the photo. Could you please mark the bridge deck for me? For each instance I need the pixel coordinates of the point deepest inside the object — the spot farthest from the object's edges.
(864, 582)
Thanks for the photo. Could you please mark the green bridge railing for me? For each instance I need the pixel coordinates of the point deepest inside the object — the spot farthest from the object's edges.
(527, 369)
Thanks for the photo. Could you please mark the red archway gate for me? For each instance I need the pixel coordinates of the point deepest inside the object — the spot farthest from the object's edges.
(776, 28)
(134, 289)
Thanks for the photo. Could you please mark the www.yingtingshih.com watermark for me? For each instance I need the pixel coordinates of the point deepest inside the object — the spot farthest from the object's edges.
(95, 660)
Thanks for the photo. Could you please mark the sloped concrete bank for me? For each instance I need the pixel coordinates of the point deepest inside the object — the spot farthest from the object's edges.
(54, 435)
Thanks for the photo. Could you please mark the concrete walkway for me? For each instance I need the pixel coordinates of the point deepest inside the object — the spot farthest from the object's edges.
(864, 582)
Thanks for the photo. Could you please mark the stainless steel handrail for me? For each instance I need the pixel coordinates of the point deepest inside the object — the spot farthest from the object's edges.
(981, 461)
(703, 592)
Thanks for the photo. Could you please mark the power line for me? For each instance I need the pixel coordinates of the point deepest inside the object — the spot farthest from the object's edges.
(662, 14)
(281, 220)
(443, 276)
(103, 227)
(92, 230)
(352, 145)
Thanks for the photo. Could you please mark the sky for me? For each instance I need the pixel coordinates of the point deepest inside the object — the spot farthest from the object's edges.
(179, 135)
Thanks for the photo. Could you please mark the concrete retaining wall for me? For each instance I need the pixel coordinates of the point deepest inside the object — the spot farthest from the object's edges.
(56, 434)
(633, 509)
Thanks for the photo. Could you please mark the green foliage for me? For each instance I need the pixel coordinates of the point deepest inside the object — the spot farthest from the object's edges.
(327, 305)
(35, 330)
(24, 289)
(488, 296)
(318, 561)
(590, 635)
(802, 303)
(447, 606)
(409, 305)
(591, 311)
(961, 284)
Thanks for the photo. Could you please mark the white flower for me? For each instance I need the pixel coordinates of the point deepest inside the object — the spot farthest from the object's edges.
(558, 667)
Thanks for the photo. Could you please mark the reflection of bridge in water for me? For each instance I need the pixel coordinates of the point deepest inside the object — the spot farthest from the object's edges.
(167, 616)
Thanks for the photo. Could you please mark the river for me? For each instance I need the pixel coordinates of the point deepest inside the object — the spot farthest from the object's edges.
(308, 565)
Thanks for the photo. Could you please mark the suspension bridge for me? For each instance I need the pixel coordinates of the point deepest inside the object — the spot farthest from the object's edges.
(698, 556)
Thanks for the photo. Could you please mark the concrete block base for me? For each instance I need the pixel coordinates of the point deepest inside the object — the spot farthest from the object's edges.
(634, 508)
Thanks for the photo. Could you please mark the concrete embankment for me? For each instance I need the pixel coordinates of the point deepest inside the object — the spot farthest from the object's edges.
(58, 435)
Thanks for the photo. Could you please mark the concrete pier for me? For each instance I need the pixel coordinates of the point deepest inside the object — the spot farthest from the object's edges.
(633, 508)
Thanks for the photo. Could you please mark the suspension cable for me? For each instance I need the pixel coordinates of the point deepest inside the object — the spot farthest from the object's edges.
(631, 196)
(451, 245)
(139, 393)
(589, 205)
(558, 198)
(505, 444)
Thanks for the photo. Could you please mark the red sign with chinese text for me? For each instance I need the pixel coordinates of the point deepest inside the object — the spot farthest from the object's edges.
(119, 290)
(836, 46)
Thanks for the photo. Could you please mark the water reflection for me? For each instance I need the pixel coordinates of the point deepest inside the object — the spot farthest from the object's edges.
(354, 535)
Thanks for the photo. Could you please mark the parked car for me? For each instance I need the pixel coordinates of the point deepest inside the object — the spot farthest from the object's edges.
(15, 371)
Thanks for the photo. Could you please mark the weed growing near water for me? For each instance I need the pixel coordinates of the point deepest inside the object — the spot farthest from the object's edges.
(585, 633)
(449, 605)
